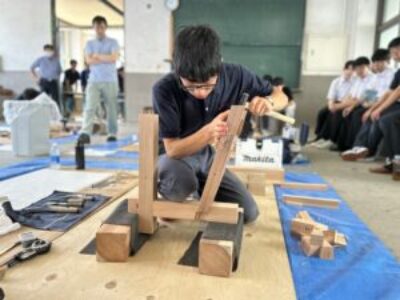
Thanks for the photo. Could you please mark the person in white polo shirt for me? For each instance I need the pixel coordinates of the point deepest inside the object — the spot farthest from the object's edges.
(339, 90)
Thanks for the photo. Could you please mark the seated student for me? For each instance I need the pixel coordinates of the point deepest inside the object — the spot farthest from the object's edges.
(339, 89)
(387, 115)
(370, 134)
(383, 76)
(193, 103)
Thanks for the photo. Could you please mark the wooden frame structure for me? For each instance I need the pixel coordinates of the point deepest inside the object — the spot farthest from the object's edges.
(148, 206)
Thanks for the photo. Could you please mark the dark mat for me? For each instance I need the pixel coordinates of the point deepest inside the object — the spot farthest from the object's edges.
(214, 231)
(51, 220)
(121, 216)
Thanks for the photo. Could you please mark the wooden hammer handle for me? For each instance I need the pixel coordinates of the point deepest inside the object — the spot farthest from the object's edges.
(276, 115)
(281, 117)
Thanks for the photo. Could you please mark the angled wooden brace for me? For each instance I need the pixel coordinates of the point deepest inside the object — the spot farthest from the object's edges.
(236, 118)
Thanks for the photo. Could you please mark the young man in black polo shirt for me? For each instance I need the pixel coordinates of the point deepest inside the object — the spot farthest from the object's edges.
(193, 104)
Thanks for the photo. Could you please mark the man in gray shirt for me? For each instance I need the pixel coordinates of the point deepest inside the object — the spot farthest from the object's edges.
(101, 55)
(46, 70)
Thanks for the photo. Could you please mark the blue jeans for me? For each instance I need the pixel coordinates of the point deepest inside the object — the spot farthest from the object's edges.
(180, 178)
(95, 93)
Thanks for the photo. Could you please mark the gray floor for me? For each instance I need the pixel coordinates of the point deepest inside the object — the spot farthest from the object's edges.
(374, 198)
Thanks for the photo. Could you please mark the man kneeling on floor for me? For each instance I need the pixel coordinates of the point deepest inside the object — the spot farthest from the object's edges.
(193, 104)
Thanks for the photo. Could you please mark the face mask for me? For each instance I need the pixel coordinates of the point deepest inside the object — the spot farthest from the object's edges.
(48, 53)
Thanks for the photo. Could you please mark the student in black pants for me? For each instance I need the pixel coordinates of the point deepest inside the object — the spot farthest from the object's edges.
(371, 133)
(383, 76)
(329, 117)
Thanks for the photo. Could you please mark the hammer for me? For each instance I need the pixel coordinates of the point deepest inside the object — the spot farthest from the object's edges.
(272, 114)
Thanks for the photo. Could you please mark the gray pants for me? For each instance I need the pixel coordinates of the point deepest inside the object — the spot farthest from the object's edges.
(180, 178)
(95, 92)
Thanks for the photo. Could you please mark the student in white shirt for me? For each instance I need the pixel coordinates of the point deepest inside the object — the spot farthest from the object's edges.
(377, 116)
(338, 91)
(368, 94)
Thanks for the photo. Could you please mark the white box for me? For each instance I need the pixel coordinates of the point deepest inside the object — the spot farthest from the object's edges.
(268, 156)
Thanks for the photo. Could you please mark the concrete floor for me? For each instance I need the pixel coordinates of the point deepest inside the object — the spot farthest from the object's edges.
(374, 198)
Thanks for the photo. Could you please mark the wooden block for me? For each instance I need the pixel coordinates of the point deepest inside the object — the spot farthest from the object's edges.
(316, 237)
(303, 214)
(113, 243)
(219, 211)
(304, 186)
(321, 226)
(307, 247)
(148, 136)
(340, 240)
(215, 257)
(302, 227)
(257, 188)
(311, 201)
(269, 175)
(326, 251)
(329, 236)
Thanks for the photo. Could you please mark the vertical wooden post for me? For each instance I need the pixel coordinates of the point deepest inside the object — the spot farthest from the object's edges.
(148, 157)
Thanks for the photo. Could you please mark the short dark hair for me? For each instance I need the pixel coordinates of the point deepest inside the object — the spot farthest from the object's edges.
(288, 92)
(362, 61)
(268, 77)
(278, 81)
(380, 55)
(394, 43)
(99, 20)
(73, 62)
(48, 47)
(348, 64)
(197, 55)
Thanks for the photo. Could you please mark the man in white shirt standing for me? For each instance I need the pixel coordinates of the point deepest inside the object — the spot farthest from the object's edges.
(369, 94)
(338, 91)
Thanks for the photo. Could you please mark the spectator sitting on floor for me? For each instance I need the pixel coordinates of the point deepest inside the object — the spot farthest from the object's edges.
(370, 135)
(375, 89)
(329, 117)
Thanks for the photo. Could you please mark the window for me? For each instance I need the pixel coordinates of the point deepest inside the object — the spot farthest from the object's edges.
(388, 25)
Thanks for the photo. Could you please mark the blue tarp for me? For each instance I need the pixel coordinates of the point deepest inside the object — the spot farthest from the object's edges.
(44, 162)
(117, 144)
(365, 269)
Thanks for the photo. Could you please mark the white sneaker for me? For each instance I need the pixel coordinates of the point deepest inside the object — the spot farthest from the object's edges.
(318, 142)
(325, 145)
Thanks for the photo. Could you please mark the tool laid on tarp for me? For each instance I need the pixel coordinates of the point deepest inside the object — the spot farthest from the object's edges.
(31, 247)
(58, 211)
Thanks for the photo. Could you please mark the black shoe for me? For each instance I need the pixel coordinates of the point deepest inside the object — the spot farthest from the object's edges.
(111, 138)
(84, 138)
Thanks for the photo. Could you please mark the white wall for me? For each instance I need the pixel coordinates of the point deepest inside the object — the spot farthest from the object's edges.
(147, 36)
(25, 26)
(336, 31)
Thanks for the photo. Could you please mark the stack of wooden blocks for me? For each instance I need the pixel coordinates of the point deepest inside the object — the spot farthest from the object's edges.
(316, 238)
